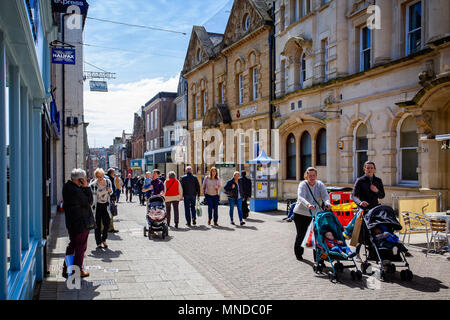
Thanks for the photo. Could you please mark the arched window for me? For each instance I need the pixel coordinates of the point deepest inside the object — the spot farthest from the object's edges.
(199, 55)
(305, 152)
(291, 158)
(361, 148)
(246, 22)
(409, 158)
(321, 148)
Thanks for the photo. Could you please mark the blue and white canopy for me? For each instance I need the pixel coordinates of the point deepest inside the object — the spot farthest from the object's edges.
(263, 158)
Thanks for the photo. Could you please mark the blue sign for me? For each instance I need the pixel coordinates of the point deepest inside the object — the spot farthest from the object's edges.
(99, 86)
(63, 56)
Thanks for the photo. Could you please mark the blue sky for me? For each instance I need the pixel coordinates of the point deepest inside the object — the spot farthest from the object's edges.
(148, 61)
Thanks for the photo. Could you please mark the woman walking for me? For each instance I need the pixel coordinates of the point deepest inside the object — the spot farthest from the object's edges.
(173, 193)
(235, 192)
(101, 191)
(119, 184)
(312, 196)
(211, 189)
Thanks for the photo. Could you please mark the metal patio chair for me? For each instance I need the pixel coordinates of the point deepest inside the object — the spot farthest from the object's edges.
(421, 224)
(439, 232)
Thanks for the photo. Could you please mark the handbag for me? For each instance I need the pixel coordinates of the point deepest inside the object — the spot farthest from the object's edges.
(357, 230)
(113, 208)
(198, 209)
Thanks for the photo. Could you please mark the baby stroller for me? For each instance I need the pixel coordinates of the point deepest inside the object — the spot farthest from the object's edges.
(381, 251)
(327, 221)
(156, 217)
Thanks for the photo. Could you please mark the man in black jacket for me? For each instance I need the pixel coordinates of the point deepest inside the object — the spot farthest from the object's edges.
(139, 186)
(77, 201)
(247, 191)
(191, 189)
(129, 186)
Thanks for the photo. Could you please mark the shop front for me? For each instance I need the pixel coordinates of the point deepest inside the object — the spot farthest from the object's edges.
(26, 31)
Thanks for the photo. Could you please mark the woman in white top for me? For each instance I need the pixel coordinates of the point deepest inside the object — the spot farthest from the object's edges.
(312, 197)
(101, 190)
(211, 190)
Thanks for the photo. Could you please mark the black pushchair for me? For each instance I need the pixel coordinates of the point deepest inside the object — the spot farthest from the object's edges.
(383, 252)
(156, 217)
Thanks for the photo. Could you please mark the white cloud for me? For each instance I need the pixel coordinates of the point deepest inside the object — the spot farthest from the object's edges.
(110, 113)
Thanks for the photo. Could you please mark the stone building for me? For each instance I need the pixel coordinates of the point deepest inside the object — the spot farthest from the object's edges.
(229, 82)
(138, 142)
(159, 112)
(347, 92)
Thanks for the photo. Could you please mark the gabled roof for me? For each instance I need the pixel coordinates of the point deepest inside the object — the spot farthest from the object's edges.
(209, 41)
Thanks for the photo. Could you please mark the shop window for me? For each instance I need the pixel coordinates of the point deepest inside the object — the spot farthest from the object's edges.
(408, 143)
(321, 148)
(361, 148)
(291, 158)
(305, 152)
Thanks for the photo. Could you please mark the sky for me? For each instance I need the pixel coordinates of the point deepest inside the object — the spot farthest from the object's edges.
(145, 61)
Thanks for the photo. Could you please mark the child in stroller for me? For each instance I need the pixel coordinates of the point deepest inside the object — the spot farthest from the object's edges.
(385, 239)
(335, 245)
(156, 217)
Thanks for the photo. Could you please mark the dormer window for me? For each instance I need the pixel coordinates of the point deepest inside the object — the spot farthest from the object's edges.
(246, 22)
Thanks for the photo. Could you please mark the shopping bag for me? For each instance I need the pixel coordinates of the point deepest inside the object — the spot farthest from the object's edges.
(308, 240)
(198, 209)
(113, 208)
(356, 230)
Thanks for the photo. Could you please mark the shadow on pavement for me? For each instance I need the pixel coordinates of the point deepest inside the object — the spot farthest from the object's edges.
(247, 227)
(114, 237)
(254, 220)
(158, 238)
(223, 228)
(106, 255)
(200, 228)
(273, 213)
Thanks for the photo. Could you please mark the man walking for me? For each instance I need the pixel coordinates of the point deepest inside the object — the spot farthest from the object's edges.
(139, 186)
(247, 193)
(129, 185)
(77, 199)
(191, 189)
(156, 186)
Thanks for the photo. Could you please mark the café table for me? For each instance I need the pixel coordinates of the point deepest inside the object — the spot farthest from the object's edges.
(441, 216)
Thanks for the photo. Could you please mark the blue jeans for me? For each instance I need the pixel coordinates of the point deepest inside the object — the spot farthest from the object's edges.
(213, 207)
(189, 208)
(238, 203)
(118, 194)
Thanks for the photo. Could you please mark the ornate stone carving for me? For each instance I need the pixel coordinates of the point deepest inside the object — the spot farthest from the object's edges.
(329, 100)
(428, 75)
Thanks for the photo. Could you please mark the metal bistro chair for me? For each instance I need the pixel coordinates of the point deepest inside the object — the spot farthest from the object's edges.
(439, 232)
(422, 220)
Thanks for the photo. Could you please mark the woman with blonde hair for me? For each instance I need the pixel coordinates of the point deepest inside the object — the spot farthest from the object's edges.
(101, 189)
(211, 189)
(173, 194)
(312, 198)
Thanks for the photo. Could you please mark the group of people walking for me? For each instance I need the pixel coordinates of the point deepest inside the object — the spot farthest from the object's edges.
(313, 197)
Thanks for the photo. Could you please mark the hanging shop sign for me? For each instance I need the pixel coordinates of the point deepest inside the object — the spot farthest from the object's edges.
(99, 86)
(62, 6)
(63, 56)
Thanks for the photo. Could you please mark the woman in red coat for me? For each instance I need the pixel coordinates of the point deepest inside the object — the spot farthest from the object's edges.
(173, 193)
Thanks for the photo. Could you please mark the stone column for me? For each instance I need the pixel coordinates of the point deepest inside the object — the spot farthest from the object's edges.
(341, 38)
(346, 157)
(389, 152)
(429, 174)
(382, 38)
(437, 16)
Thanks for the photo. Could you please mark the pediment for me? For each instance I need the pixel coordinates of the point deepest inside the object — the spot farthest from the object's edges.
(200, 49)
(256, 10)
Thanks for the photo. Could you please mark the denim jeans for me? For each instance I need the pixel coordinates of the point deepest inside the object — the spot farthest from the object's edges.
(213, 207)
(189, 208)
(238, 203)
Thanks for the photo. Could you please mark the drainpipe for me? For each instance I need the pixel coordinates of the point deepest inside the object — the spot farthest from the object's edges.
(272, 71)
(63, 122)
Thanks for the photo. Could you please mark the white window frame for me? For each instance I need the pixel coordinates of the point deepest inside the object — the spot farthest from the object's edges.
(151, 120)
(305, 8)
(363, 51)
(241, 88)
(241, 157)
(148, 145)
(156, 119)
(407, 32)
(413, 183)
(148, 122)
(255, 75)
(255, 143)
